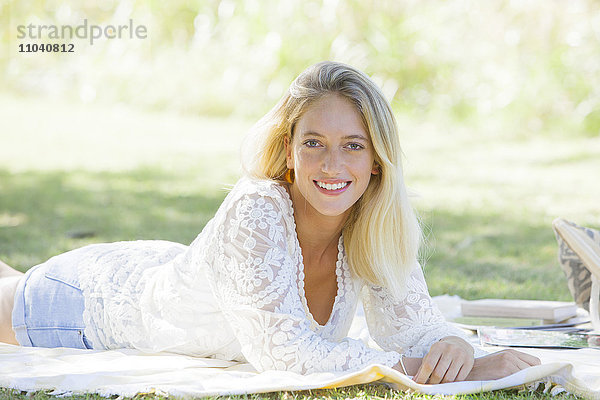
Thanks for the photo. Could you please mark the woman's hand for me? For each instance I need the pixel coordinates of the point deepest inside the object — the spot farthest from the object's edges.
(501, 364)
(449, 360)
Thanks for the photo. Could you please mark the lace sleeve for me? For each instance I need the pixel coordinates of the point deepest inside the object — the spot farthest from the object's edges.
(410, 325)
(255, 281)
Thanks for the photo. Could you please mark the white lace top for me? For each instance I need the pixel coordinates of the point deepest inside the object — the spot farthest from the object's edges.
(237, 293)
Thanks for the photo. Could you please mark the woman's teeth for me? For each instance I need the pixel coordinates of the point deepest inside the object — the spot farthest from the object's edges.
(330, 186)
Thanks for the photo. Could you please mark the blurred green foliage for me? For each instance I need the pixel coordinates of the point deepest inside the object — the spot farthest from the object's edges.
(530, 67)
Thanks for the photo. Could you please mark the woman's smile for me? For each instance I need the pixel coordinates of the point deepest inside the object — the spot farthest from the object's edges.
(332, 188)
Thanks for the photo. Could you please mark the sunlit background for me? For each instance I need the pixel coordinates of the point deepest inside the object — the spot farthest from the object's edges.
(498, 104)
(535, 63)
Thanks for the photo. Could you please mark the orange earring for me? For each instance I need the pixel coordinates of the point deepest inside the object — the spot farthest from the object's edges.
(289, 177)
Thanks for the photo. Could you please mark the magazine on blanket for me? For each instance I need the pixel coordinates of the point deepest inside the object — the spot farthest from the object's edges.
(474, 323)
(538, 338)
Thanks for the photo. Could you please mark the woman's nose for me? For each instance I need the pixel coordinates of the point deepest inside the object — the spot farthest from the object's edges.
(332, 162)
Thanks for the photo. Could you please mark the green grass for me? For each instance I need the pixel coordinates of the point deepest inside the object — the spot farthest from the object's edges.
(486, 197)
(367, 392)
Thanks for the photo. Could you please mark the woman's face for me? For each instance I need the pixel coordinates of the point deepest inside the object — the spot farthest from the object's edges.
(332, 156)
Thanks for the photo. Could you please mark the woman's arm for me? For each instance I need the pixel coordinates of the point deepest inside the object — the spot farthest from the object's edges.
(493, 366)
(411, 323)
(436, 351)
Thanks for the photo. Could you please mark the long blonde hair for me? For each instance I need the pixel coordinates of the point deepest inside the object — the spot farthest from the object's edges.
(382, 235)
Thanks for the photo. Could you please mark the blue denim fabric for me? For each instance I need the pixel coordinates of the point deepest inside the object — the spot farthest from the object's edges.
(48, 310)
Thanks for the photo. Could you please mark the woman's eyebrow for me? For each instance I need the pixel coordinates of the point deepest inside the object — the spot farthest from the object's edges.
(357, 136)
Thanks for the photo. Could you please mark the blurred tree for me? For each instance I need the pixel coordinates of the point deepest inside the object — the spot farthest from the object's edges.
(533, 66)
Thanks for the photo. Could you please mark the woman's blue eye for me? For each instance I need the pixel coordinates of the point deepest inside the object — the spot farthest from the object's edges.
(311, 143)
(355, 146)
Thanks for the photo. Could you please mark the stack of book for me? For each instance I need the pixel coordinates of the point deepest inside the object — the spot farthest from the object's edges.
(515, 313)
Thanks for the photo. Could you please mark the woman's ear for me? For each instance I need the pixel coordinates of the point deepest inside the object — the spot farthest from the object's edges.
(288, 153)
(376, 169)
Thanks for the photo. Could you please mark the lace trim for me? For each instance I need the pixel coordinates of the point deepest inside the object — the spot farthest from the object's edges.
(339, 279)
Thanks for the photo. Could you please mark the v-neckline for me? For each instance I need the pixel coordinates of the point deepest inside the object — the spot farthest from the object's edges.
(301, 274)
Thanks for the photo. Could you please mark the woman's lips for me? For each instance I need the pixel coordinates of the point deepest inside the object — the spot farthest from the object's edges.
(332, 192)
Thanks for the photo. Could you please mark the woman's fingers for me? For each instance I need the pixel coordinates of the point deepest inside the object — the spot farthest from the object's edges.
(520, 360)
(500, 364)
(446, 360)
(452, 372)
(427, 366)
(459, 368)
(529, 359)
(520, 364)
(445, 370)
(525, 361)
(441, 369)
(464, 372)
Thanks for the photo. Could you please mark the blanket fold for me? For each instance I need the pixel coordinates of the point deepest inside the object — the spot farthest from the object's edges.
(129, 372)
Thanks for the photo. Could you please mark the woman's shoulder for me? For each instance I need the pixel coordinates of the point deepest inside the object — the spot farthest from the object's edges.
(263, 187)
(251, 188)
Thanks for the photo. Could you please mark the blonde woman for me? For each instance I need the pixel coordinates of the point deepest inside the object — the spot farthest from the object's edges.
(320, 220)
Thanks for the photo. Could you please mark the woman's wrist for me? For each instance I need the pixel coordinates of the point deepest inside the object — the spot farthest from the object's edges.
(409, 364)
(412, 365)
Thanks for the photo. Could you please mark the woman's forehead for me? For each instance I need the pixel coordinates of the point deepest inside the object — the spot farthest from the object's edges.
(332, 114)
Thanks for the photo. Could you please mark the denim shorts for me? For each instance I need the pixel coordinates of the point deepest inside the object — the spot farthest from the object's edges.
(48, 310)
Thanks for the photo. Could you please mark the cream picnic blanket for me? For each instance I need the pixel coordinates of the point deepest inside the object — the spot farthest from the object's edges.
(128, 372)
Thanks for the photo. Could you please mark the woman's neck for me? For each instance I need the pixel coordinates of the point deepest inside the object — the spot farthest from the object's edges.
(317, 233)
